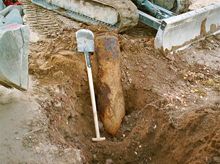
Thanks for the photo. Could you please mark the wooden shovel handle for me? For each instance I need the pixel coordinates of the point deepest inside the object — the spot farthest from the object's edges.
(92, 93)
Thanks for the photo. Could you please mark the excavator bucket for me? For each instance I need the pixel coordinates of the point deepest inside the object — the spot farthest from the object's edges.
(178, 32)
(14, 43)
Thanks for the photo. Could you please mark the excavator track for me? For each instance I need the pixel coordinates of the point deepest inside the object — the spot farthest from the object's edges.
(124, 11)
(128, 13)
(40, 20)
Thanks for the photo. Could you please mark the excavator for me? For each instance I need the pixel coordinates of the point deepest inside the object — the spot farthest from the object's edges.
(176, 27)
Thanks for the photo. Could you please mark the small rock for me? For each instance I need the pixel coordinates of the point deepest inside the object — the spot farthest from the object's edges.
(170, 57)
(94, 157)
(53, 35)
(187, 83)
(108, 161)
(142, 76)
(144, 66)
(201, 76)
(57, 104)
(37, 149)
(126, 118)
(190, 79)
(217, 159)
(208, 159)
(101, 125)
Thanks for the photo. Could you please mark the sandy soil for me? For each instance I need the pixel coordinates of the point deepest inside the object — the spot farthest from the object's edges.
(195, 4)
(172, 106)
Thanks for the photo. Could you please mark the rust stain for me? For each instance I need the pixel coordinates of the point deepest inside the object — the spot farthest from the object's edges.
(103, 102)
(110, 46)
(97, 51)
(203, 29)
(100, 72)
(214, 28)
(107, 46)
(203, 33)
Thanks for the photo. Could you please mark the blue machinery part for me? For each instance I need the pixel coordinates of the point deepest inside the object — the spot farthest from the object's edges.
(158, 13)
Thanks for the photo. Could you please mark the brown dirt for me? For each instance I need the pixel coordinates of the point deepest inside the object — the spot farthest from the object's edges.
(172, 105)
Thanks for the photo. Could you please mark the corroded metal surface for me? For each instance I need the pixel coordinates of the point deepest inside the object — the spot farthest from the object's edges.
(110, 95)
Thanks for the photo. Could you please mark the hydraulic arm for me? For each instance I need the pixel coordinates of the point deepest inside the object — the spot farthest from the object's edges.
(147, 6)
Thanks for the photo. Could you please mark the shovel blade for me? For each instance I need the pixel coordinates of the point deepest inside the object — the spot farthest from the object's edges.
(85, 40)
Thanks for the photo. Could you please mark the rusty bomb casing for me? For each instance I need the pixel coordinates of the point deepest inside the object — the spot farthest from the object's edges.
(110, 97)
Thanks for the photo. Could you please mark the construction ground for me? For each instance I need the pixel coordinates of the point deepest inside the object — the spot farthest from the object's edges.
(172, 103)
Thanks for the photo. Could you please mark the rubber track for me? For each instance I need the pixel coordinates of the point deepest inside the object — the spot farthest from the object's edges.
(127, 10)
(41, 20)
(128, 13)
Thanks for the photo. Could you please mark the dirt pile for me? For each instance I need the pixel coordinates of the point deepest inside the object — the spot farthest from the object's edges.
(172, 106)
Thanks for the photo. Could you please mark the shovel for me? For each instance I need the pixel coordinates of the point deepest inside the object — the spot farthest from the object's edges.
(85, 43)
